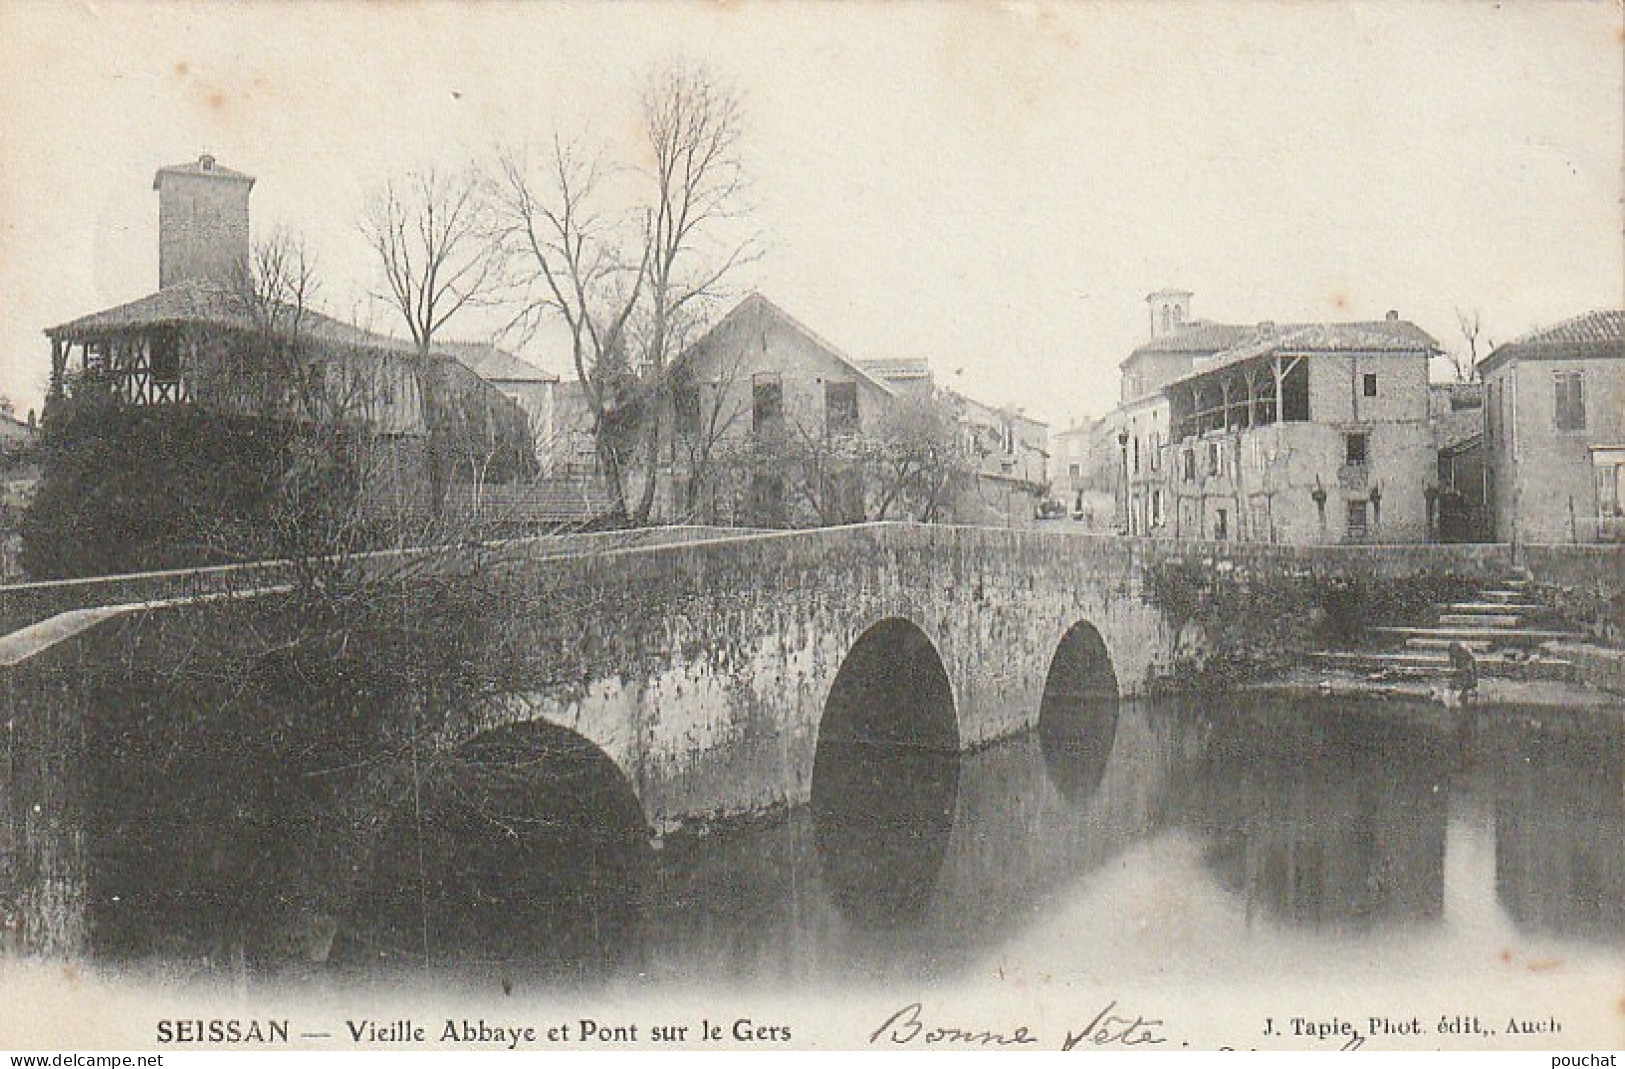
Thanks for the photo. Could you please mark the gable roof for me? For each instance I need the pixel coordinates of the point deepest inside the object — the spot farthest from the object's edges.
(1595, 335)
(755, 302)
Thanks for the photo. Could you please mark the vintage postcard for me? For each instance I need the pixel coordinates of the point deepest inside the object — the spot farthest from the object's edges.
(777, 526)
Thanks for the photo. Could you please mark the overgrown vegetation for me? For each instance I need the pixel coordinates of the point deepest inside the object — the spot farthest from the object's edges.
(1255, 625)
(128, 488)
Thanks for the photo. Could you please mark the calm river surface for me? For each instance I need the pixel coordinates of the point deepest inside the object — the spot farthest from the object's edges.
(1302, 835)
(1219, 867)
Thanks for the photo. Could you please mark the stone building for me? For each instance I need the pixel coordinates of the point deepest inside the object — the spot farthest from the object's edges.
(772, 425)
(206, 340)
(1307, 432)
(1554, 432)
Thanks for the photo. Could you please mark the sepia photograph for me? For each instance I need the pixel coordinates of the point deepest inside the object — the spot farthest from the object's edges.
(730, 525)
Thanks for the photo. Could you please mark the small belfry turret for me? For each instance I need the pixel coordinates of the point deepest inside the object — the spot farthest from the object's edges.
(1170, 311)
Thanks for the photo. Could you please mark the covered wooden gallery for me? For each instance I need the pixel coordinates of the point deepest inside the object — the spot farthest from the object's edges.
(199, 343)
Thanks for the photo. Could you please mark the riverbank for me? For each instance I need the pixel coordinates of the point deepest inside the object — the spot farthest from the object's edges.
(1421, 699)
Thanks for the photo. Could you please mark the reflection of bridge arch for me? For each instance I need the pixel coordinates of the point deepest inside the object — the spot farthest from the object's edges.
(885, 774)
(1077, 712)
(525, 842)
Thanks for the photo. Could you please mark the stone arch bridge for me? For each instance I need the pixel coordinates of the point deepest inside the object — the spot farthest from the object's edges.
(704, 671)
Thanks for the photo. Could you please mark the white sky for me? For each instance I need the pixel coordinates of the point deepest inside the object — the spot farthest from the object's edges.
(993, 187)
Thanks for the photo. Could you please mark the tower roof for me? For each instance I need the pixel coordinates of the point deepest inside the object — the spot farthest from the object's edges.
(203, 167)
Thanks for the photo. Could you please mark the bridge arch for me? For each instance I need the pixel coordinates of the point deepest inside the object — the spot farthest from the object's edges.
(1077, 713)
(527, 842)
(886, 775)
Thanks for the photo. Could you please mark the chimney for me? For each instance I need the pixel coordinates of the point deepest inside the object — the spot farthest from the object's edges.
(1266, 329)
(1393, 315)
(202, 222)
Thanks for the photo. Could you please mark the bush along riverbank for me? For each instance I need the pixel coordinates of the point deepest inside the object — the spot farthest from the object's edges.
(1239, 626)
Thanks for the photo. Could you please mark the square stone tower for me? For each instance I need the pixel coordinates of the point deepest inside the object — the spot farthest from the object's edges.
(202, 222)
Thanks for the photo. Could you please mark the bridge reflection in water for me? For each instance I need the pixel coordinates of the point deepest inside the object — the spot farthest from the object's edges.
(1327, 820)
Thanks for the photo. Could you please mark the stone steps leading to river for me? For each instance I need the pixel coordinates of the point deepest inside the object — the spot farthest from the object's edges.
(1427, 665)
(1524, 637)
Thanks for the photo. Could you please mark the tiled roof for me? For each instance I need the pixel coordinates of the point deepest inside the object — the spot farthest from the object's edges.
(1383, 336)
(198, 302)
(1199, 336)
(494, 364)
(195, 302)
(1598, 334)
(202, 167)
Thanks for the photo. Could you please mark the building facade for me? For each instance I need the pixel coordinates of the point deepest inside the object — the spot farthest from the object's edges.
(771, 425)
(1308, 432)
(1554, 432)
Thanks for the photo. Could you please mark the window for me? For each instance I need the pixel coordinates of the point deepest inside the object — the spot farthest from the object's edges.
(1370, 384)
(1156, 508)
(1074, 471)
(841, 407)
(1156, 450)
(1215, 459)
(767, 404)
(1190, 465)
(1136, 454)
(164, 357)
(685, 402)
(1569, 389)
(1355, 449)
(1221, 525)
(1357, 520)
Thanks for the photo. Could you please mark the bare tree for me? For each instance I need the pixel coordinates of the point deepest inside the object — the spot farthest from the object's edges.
(693, 125)
(701, 432)
(575, 264)
(1466, 365)
(631, 286)
(431, 235)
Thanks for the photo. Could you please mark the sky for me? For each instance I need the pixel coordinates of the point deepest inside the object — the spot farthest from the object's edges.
(993, 187)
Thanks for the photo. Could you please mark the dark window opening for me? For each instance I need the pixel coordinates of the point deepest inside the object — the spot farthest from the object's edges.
(686, 407)
(1221, 525)
(1215, 465)
(1295, 394)
(1190, 465)
(164, 357)
(767, 405)
(841, 407)
(1370, 384)
(1354, 450)
(1569, 387)
(1357, 519)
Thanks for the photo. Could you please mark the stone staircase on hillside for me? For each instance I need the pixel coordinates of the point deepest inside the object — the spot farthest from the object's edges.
(1507, 630)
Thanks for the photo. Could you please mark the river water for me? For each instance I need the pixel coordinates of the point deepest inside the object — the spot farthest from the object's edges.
(1307, 827)
(1188, 851)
